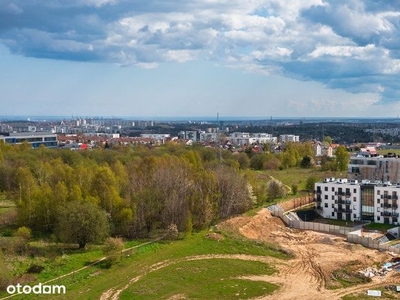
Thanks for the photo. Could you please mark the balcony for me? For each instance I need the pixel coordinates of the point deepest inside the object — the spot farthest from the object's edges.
(340, 201)
(387, 197)
(389, 214)
(343, 210)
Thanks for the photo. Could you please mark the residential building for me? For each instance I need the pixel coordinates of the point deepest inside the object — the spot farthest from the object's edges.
(352, 200)
(286, 138)
(36, 139)
(245, 138)
(374, 168)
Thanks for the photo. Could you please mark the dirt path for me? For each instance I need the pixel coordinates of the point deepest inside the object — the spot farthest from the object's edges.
(305, 276)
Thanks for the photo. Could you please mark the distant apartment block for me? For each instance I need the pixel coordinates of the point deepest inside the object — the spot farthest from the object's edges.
(210, 137)
(374, 168)
(352, 200)
(286, 138)
(160, 138)
(36, 139)
(245, 138)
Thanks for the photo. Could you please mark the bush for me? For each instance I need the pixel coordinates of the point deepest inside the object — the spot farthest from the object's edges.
(113, 249)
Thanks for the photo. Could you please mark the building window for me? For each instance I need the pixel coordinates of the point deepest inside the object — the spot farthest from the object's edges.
(333, 197)
(355, 191)
(378, 192)
(326, 197)
(333, 214)
(378, 200)
(355, 199)
(326, 205)
(333, 205)
(378, 218)
(326, 189)
(333, 189)
(354, 216)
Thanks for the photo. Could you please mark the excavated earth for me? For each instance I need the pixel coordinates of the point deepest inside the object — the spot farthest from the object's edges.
(309, 275)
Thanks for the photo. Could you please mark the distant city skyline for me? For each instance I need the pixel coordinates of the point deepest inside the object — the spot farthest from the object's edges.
(248, 59)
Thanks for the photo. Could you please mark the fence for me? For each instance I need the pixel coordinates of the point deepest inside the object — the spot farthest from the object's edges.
(353, 236)
(370, 243)
(332, 229)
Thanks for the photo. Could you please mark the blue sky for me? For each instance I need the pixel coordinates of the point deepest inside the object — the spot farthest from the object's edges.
(255, 58)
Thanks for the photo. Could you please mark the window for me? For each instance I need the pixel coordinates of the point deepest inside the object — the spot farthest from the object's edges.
(378, 209)
(354, 216)
(355, 199)
(326, 189)
(378, 200)
(326, 205)
(378, 218)
(354, 191)
(326, 197)
(333, 197)
(333, 205)
(378, 192)
(333, 214)
(333, 189)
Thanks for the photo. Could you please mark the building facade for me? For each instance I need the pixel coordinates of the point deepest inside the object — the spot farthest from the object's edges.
(36, 139)
(374, 168)
(286, 138)
(352, 200)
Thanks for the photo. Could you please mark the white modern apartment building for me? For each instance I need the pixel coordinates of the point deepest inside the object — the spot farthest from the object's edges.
(245, 138)
(352, 200)
(286, 138)
(36, 139)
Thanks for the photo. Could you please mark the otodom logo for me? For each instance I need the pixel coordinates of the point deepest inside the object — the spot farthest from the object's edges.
(37, 289)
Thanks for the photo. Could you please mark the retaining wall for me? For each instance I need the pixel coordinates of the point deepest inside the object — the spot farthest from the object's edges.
(353, 236)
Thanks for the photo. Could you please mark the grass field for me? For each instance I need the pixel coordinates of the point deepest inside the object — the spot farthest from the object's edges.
(205, 279)
(92, 282)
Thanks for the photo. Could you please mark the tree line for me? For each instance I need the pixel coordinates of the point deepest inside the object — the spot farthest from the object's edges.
(132, 191)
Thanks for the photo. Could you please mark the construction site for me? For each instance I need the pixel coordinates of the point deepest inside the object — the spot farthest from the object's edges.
(325, 264)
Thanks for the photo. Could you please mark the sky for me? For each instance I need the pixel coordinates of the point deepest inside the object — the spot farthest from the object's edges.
(165, 58)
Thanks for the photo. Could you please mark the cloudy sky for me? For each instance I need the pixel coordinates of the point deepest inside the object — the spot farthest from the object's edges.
(260, 58)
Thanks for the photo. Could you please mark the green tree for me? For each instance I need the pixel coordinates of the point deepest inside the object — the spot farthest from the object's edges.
(112, 248)
(342, 158)
(310, 184)
(328, 140)
(275, 189)
(307, 162)
(82, 223)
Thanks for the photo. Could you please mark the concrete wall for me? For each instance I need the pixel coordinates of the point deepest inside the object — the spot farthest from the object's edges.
(370, 243)
(353, 236)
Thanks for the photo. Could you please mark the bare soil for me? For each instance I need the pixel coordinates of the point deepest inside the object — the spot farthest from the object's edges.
(317, 255)
(308, 275)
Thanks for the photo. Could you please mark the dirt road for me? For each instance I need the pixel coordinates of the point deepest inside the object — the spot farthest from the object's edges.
(316, 256)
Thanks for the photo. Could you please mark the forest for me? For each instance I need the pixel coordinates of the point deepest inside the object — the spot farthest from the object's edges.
(85, 196)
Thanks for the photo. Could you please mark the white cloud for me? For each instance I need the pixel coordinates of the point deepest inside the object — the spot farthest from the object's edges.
(322, 40)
